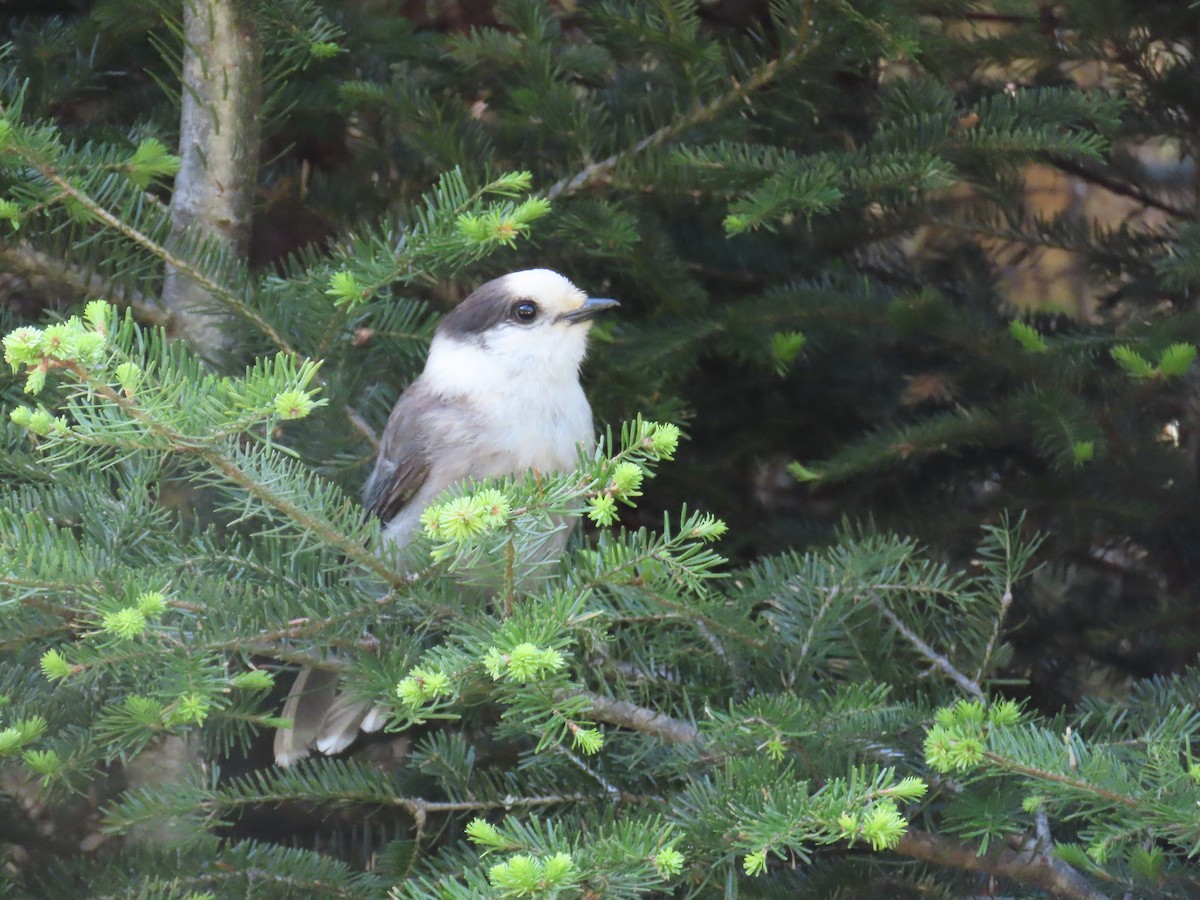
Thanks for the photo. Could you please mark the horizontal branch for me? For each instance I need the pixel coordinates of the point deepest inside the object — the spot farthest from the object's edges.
(638, 718)
(417, 807)
(29, 262)
(1028, 865)
(1097, 174)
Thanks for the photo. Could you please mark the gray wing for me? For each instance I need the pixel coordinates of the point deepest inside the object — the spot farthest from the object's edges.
(403, 462)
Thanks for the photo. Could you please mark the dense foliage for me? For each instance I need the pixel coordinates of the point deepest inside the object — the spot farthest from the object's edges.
(885, 584)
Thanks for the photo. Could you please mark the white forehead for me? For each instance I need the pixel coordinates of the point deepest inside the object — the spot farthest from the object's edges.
(548, 288)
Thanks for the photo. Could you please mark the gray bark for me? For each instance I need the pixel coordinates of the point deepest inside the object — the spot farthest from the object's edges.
(219, 146)
(168, 760)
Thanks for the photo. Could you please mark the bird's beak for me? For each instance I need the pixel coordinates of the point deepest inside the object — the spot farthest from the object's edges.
(591, 308)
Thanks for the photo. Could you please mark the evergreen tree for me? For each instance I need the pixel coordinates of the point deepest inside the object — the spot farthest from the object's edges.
(722, 689)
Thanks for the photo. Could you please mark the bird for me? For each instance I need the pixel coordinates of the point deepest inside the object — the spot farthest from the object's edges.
(499, 396)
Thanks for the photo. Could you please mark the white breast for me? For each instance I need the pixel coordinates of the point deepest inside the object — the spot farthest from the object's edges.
(526, 393)
(534, 416)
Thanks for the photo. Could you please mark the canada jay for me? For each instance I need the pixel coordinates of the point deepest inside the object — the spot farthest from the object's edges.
(499, 395)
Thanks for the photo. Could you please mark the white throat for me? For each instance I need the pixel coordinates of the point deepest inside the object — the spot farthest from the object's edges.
(527, 399)
(505, 360)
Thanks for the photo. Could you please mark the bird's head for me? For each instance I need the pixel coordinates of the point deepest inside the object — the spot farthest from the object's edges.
(531, 325)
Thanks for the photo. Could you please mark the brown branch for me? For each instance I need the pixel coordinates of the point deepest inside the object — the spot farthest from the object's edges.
(638, 718)
(1074, 783)
(25, 260)
(1029, 865)
(759, 78)
(417, 807)
(1104, 178)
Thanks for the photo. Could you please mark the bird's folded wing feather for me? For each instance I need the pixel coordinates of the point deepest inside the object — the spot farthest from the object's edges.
(310, 698)
(403, 463)
(340, 726)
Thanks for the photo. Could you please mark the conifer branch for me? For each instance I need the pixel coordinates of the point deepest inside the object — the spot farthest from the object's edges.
(624, 714)
(147, 243)
(706, 625)
(1011, 765)
(1094, 173)
(1006, 600)
(214, 288)
(24, 258)
(355, 550)
(269, 642)
(830, 595)
(939, 661)
(613, 792)
(1027, 865)
(758, 79)
(418, 807)
(144, 617)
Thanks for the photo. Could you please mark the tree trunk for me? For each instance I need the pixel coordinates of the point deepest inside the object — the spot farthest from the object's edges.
(219, 145)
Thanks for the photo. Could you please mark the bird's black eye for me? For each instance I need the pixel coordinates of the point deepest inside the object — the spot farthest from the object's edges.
(525, 311)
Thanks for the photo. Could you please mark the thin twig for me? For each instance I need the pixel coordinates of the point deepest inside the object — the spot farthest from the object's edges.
(939, 660)
(417, 807)
(1106, 179)
(830, 595)
(1006, 600)
(759, 78)
(611, 789)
